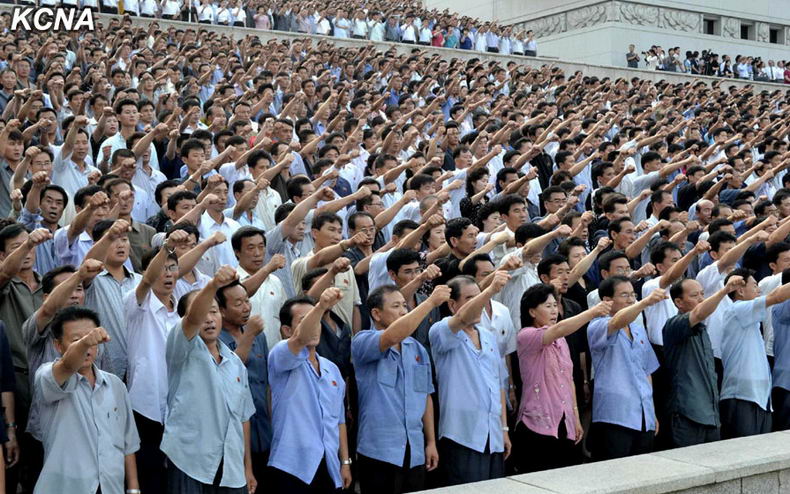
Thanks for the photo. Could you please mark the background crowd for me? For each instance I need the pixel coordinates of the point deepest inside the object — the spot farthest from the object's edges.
(232, 266)
(710, 63)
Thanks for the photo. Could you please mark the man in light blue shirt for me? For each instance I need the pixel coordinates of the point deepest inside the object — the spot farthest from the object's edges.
(86, 416)
(471, 376)
(308, 416)
(745, 405)
(396, 440)
(207, 428)
(624, 418)
(780, 395)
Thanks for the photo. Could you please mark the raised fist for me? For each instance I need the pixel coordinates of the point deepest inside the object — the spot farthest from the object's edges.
(225, 275)
(440, 295)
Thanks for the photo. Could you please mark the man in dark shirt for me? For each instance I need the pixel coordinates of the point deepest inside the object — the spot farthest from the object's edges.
(461, 236)
(693, 397)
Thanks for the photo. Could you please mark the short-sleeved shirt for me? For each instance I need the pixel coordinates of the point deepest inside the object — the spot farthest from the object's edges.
(781, 345)
(712, 281)
(258, 375)
(623, 395)
(547, 376)
(266, 302)
(393, 390)
(149, 324)
(207, 404)
(105, 295)
(91, 423)
(17, 303)
(688, 357)
(657, 314)
(470, 387)
(747, 375)
(307, 410)
(277, 244)
(345, 282)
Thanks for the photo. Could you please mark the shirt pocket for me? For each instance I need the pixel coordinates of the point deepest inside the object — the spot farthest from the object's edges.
(422, 377)
(387, 372)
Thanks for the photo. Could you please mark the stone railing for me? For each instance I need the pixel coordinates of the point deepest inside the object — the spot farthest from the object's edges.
(568, 67)
(749, 465)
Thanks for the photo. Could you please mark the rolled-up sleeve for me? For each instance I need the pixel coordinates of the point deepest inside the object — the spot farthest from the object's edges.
(48, 389)
(598, 334)
(366, 346)
(282, 359)
(442, 338)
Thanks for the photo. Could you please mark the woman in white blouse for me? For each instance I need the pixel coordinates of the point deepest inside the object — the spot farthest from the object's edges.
(223, 14)
(170, 9)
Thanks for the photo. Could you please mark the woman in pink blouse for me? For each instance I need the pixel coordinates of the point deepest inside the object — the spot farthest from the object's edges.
(548, 426)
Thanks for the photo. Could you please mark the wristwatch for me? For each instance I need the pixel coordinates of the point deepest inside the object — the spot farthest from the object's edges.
(346, 462)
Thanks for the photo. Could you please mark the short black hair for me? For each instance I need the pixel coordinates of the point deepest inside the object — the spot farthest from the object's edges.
(605, 261)
(401, 257)
(310, 278)
(544, 266)
(659, 252)
(376, 297)
(8, 232)
(455, 228)
(48, 280)
(744, 273)
(719, 238)
(533, 297)
(222, 300)
(470, 266)
(71, 314)
(245, 232)
(286, 317)
(458, 283)
(607, 286)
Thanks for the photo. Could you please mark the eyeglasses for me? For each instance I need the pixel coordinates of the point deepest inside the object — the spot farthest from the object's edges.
(627, 296)
(171, 268)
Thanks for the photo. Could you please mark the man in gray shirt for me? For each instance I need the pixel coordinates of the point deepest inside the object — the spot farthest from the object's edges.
(86, 415)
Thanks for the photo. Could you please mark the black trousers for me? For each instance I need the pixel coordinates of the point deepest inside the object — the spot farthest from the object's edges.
(179, 482)
(108, 10)
(530, 53)
(492, 50)
(463, 465)
(661, 390)
(686, 432)
(285, 483)
(260, 468)
(151, 461)
(534, 452)
(610, 441)
(407, 42)
(379, 477)
(780, 399)
(517, 53)
(741, 418)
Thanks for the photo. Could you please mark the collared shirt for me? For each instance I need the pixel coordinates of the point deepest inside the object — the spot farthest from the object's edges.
(377, 270)
(94, 424)
(500, 324)
(521, 279)
(658, 314)
(547, 375)
(183, 286)
(6, 173)
(40, 350)
(277, 244)
(197, 443)
(781, 345)
(139, 242)
(307, 411)
(470, 387)
(258, 375)
(268, 202)
(688, 357)
(266, 302)
(712, 281)
(148, 182)
(747, 375)
(346, 282)
(117, 142)
(623, 395)
(72, 253)
(105, 295)
(393, 389)
(17, 303)
(766, 285)
(223, 253)
(149, 324)
(46, 259)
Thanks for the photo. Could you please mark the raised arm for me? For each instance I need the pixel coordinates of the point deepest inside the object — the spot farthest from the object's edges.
(470, 312)
(12, 264)
(59, 297)
(308, 331)
(157, 264)
(731, 257)
(252, 329)
(587, 261)
(300, 211)
(404, 326)
(627, 315)
(569, 326)
(537, 245)
(677, 269)
(188, 261)
(706, 308)
(202, 303)
(75, 355)
(636, 248)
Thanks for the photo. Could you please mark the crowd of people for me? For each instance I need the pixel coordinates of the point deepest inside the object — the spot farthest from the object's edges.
(229, 266)
(708, 63)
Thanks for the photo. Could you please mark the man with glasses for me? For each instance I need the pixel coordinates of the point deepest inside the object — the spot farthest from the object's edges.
(624, 419)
